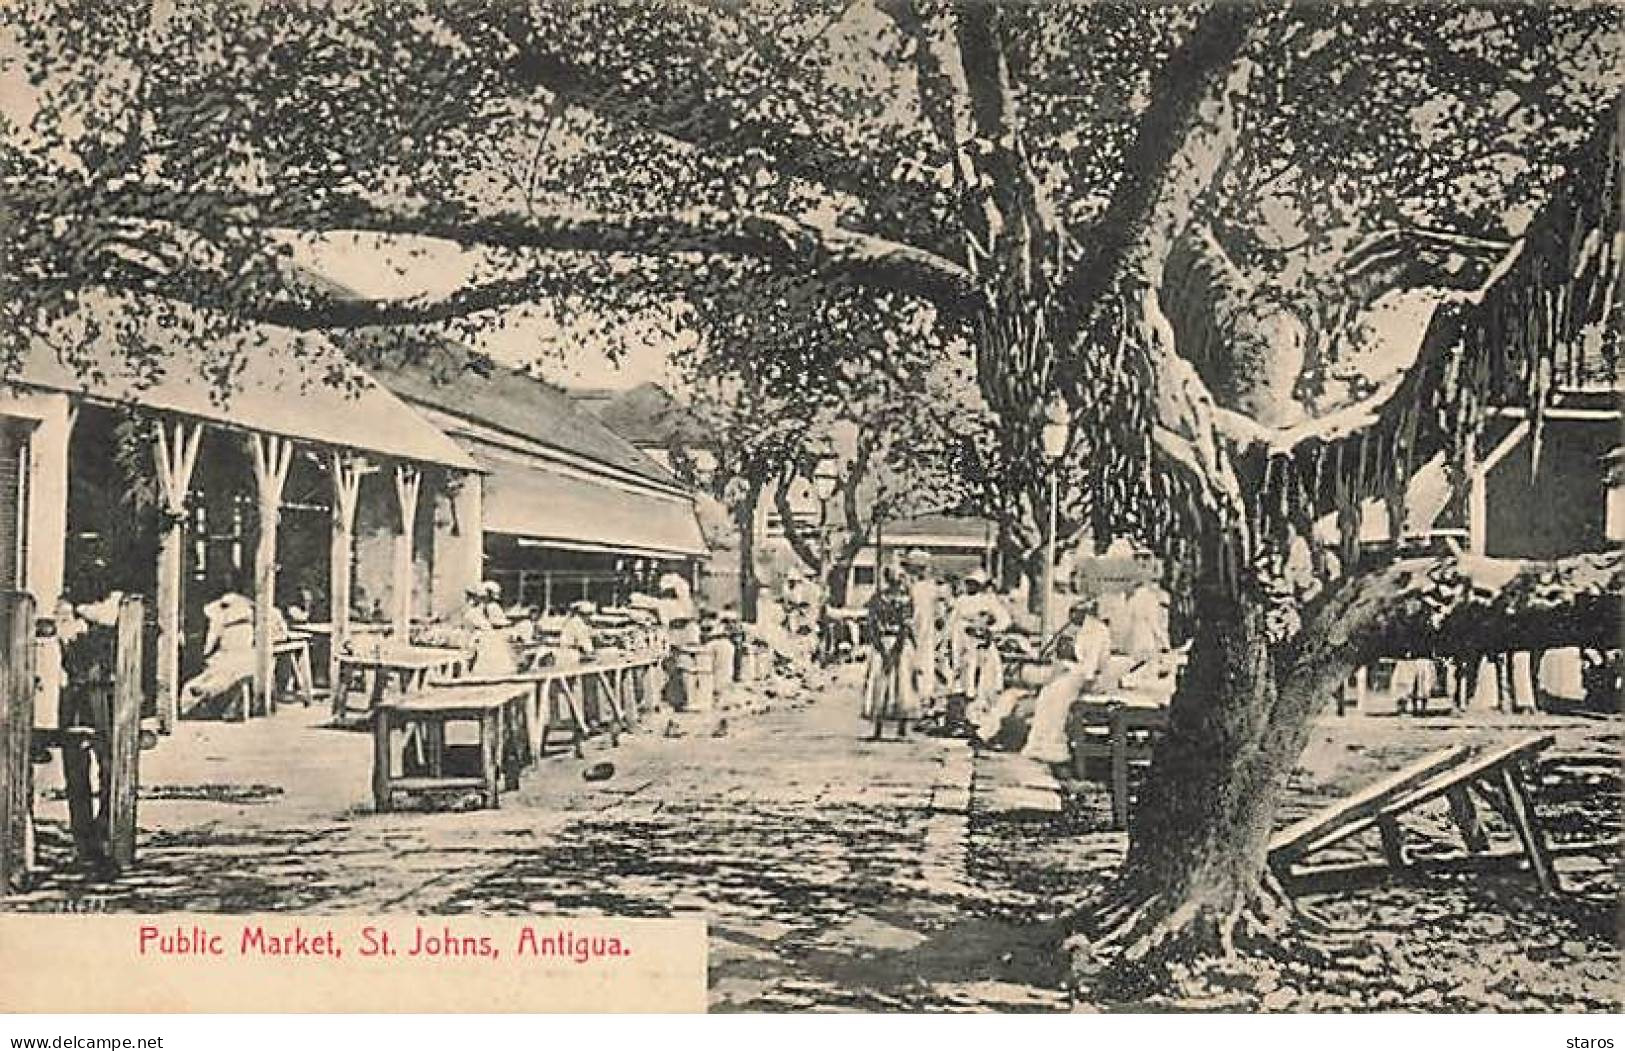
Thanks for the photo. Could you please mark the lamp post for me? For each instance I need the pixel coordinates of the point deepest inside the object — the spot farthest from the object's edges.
(1053, 438)
(826, 479)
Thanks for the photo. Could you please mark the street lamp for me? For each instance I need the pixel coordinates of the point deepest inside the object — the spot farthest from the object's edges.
(826, 479)
(1053, 440)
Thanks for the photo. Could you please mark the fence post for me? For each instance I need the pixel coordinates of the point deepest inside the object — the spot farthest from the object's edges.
(124, 744)
(16, 727)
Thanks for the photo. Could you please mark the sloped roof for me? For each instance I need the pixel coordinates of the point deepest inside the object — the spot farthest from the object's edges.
(430, 369)
(283, 384)
(554, 508)
(645, 415)
(458, 381)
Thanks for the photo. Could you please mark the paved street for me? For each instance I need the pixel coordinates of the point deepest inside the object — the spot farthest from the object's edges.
(834, 872)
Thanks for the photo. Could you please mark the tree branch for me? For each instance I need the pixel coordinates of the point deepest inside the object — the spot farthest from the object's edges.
(800, 248)
(1468, 605)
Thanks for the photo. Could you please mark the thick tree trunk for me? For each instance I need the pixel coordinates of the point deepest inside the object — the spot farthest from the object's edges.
(1195, 882)
(745, 522)
(840, 575)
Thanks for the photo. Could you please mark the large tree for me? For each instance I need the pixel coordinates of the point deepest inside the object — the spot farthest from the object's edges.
(1175, 219)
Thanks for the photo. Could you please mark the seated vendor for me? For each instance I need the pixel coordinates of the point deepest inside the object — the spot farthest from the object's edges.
(1081, 649)
(228, 648)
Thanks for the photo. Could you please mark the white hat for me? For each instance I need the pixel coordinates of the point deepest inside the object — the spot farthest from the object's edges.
(491, 587)
(978, 576)
(582, 605)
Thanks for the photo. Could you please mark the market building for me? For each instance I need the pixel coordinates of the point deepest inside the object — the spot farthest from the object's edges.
(569, 509)
(264, 464)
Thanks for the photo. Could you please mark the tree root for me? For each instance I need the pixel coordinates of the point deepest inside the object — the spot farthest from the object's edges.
(1130, 947)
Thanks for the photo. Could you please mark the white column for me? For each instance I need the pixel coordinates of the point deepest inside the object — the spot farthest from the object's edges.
(346, 471)
(272, 456)
(407, 481)
(47, 527)
(175, 454)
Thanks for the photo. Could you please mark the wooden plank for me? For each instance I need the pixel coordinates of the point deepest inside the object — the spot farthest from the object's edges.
(1465, 816)
(430, 784)
(1482, 767)
(1527, 824)
(123, 752)
(1473, 771)
(1325, 827)
(16, 726)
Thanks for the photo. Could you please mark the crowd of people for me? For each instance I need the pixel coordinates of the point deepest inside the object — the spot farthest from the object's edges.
(939, 651)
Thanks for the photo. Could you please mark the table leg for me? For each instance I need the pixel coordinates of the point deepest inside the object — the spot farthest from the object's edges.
(514, 740)
(305, 675)
(577, 715)
(544, 716)
(1119, 760)
(340, 687)
(490, 751)
(381, 760)
(607, 699)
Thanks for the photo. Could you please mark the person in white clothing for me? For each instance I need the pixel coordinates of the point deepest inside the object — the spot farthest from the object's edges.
(1081, 650)
(923, 594)
(978, 619)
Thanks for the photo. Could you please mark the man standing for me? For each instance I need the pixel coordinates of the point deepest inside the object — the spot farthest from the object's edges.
(979, 618)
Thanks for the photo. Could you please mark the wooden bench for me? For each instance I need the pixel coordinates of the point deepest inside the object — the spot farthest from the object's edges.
(1456, 774)
(498, 710)
(295, 650)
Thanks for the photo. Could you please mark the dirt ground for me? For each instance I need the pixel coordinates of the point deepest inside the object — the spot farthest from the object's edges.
(839, 874)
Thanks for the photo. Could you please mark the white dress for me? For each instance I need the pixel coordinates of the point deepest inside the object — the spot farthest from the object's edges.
(228, 647)
(923, 594)
(1046, 740)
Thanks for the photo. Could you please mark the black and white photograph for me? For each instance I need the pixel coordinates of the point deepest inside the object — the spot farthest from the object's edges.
(784, 506)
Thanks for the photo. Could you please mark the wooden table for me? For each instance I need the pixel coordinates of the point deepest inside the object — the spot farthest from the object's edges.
(624, 682)
(500, 712)
(1129, 720)
(414, 667)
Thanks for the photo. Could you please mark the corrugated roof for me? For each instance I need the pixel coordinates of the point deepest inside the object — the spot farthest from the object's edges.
(531, 501)
(283, 383)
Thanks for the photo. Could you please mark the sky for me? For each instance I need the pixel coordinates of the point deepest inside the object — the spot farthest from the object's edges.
(570, 358)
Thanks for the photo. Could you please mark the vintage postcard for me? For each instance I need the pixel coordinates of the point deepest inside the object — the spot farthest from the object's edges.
(810, 505)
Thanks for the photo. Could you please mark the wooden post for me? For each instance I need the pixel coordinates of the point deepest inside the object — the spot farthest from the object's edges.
(16, 726)
(272, 456)
(346, 471)
(123, 748)
(176, 455)
(1527, 824)
(407, 481)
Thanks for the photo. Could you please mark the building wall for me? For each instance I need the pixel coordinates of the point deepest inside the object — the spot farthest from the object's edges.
(49, 416)
(1561, 509)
